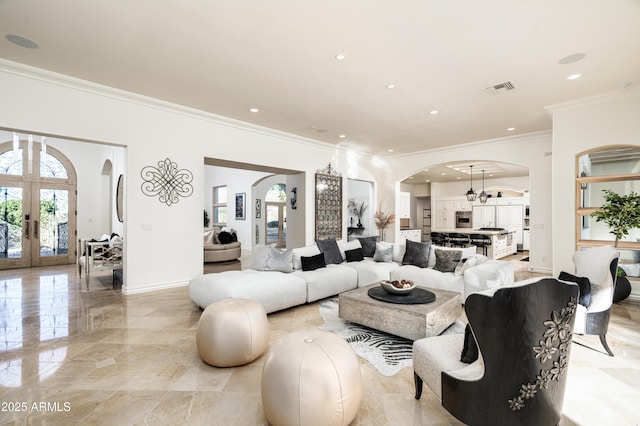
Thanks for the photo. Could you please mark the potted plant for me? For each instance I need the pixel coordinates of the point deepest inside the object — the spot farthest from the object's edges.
(621, 213)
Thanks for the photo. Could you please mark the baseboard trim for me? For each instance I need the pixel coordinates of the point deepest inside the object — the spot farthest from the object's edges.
(155, 287)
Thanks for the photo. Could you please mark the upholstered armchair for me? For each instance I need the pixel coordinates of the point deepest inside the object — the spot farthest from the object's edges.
(599, 265)
(523, 335)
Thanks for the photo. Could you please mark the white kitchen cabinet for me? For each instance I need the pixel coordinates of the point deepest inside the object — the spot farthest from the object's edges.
(405, 205)
(510, 217)
(484, 217)
(445, 217)
(409, 234)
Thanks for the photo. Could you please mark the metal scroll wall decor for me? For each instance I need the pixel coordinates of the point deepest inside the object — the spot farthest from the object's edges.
(328, 203)
(166, 182)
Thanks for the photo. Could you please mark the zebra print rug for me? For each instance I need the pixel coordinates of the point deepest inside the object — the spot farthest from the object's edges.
(387, 353)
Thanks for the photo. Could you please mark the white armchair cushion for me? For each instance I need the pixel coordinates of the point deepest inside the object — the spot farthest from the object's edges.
(433, 355)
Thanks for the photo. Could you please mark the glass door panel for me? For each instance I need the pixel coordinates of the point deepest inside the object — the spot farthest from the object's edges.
(51, 225)
(14, 227)
(276, 225)
(54, 222)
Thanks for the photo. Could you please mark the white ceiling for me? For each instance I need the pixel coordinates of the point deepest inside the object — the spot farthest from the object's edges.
(226, 57)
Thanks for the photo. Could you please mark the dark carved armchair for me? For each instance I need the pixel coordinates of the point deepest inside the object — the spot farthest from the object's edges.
(523, 333)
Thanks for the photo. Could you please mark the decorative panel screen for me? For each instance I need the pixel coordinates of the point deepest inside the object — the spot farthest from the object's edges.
(328, 204)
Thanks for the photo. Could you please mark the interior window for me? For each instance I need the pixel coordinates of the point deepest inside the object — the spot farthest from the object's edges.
(220, 205)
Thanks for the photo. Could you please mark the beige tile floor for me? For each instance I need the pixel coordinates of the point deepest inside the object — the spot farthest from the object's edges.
(70, 356)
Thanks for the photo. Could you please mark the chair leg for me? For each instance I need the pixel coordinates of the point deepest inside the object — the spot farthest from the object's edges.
(418, 382)
(603, 340)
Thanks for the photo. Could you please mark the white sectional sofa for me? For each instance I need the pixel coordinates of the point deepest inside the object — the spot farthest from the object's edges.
(278, 290)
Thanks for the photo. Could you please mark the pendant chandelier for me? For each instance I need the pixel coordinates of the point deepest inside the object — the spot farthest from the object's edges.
(483, 195)
(471, 194)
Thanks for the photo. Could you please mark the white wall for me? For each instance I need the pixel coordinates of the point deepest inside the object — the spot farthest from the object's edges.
(611, 119)
(163, 244)
(531, 151)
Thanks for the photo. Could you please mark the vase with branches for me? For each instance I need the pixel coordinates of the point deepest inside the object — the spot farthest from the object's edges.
(383, 218)
(357, 209)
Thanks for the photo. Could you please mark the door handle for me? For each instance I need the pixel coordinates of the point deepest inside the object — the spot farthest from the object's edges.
(35, 229)
(26, 229)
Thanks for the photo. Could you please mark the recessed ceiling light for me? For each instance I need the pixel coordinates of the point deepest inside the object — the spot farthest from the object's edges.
(574, 76)
(340, 56)
(443, 174)
(254, 109)
(389, 150)
(342, 136)
(22, 41)
(426, 170)
(458, 178)
(572, 58)
(410, 177)
(510, 129)
(427, 180)
(434, 112)
(391, 86)
(625, 86)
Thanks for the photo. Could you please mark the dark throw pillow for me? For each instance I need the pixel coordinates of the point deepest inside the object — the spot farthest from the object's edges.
(354, 255)
(416, 254)
(368, 245)
(583, 283)
(311, 263)
(469, 348)
(225, 237)
(447, 260)
(329, 248)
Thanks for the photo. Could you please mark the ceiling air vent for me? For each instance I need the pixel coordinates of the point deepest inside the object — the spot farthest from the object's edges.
(502, 87)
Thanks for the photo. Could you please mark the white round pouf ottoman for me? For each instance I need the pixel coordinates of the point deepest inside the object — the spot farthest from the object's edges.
(311, 377)
(232, 332)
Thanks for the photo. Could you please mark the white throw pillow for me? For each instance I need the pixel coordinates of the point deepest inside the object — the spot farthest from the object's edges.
(280, 261)
(259, 258)
(384, 252)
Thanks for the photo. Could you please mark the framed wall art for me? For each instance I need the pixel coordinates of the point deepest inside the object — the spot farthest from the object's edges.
(328, 203)
(258, 208)
(240, 205)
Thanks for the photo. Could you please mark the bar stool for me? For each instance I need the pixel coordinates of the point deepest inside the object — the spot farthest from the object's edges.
(458, 240)
(480, 240)
(439, 238)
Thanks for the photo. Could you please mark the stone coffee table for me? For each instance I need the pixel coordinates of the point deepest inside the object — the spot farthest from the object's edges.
(409, 321)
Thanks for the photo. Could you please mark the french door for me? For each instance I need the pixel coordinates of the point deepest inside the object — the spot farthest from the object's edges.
(276, 224)
(37, 207)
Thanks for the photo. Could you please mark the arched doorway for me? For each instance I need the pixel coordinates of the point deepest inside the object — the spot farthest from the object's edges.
(276, 215)
(37, 206)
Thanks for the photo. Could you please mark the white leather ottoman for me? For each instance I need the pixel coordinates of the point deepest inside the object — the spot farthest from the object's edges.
(232, 332)
(311, 377)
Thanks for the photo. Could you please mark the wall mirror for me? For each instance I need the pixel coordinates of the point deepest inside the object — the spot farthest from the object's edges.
(328, 203)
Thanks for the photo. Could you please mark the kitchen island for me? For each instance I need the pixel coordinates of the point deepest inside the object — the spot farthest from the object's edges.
(503, 241)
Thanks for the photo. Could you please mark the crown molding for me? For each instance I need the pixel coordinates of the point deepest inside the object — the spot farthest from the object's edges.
(74, 83)
(592, 100)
